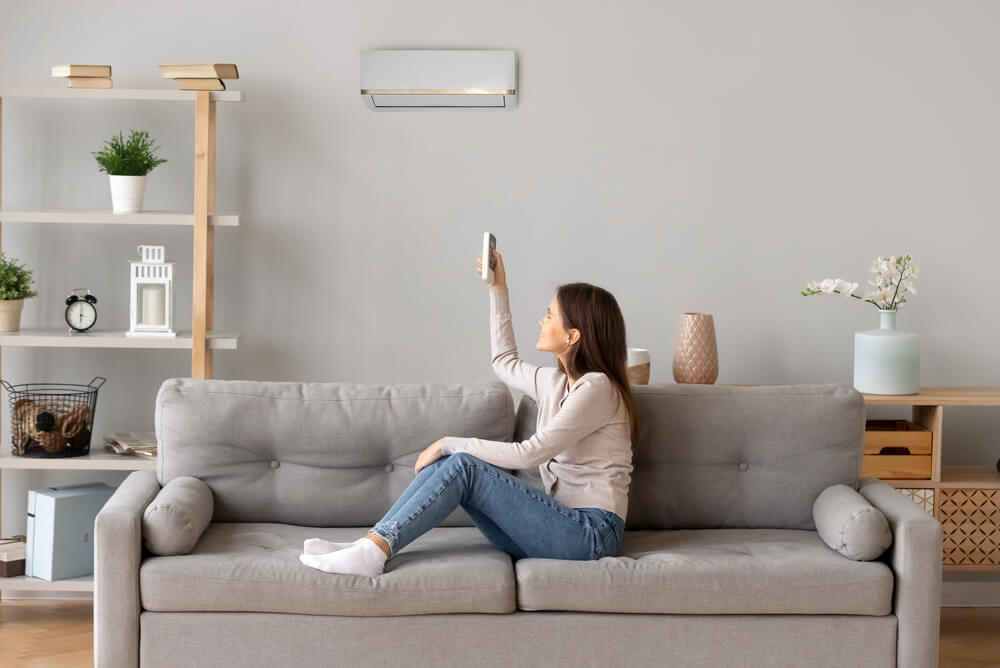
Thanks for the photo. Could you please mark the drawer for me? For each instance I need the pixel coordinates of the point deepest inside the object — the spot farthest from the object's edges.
(897, 450)
(970, 526)
(923, 497)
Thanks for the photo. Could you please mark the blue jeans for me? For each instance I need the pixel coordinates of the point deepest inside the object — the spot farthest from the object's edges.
(516, 518)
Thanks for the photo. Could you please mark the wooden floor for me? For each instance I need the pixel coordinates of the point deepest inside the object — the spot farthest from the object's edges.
(59, 634)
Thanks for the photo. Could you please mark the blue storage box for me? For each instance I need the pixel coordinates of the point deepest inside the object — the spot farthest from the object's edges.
(60, 530)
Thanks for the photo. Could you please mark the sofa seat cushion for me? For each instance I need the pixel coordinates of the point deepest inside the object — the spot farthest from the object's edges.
(711, 571)
(251, 567)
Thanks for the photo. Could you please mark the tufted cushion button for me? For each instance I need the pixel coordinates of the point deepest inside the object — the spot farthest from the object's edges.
(744, 466)
(389, 468)
(275, 463)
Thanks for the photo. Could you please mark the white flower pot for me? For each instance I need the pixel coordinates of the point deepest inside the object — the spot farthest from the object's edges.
(10, 314)
(126, 193)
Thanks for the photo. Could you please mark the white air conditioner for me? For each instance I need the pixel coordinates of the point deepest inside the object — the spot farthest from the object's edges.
(397, 79)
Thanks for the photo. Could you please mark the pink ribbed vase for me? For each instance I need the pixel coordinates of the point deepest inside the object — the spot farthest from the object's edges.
(696, 358)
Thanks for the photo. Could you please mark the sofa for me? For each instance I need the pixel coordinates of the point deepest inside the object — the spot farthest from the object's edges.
(721, 563)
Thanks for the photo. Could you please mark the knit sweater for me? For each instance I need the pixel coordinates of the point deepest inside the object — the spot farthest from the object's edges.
(582, 443)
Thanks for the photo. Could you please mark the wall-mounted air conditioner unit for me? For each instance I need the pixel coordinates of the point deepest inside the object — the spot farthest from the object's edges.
(397, 79)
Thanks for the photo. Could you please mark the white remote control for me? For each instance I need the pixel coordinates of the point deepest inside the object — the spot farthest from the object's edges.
(489, 260)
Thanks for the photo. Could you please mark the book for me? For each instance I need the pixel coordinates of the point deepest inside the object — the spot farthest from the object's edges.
(211, 71)
(88, 82)
(200, 84)
(81, 71)
(132, 443)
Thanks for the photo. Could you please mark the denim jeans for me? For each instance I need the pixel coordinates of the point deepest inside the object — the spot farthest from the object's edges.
(515, 517)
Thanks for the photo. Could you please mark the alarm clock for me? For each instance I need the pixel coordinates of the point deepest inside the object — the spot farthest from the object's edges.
(81, 312)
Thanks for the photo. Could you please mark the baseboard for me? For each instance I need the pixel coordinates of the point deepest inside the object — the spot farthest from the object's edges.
(971, 594)
(49, 596)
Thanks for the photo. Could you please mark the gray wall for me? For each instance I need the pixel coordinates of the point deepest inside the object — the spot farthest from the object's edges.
(687, 156)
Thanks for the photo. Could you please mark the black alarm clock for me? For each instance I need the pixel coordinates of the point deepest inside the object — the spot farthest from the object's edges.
(81, 312)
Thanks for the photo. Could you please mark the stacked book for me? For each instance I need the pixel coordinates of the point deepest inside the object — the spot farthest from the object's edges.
(12, 556)
(200, 77)
(84, 76)
(141, 443)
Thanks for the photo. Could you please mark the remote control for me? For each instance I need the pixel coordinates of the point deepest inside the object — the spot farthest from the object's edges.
(489, 260)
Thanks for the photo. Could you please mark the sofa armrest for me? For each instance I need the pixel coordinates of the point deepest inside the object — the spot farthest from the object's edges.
(117, 554)
(915, 557)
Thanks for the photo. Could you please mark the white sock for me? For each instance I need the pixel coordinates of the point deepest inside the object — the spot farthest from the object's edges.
(320, 546)
(362, 558)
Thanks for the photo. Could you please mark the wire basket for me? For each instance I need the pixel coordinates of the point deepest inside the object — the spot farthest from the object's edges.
(52, 419)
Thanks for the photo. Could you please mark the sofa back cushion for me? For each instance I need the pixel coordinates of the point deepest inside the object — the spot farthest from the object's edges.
(736, 457)
(315, 454)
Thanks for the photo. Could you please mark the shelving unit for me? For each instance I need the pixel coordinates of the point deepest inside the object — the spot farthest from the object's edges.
(965, 499)
(202, 340)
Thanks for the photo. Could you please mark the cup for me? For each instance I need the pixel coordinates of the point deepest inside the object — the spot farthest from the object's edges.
(638, 366)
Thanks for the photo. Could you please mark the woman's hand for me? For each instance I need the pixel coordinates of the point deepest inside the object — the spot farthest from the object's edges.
(430, 455)
(499, 275)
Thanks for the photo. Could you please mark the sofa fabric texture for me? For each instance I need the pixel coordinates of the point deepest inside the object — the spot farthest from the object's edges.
(721, 563)
(849, 524)
(175, 520)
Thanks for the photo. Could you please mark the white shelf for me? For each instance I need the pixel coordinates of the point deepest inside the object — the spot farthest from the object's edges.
(121, 94)
(107, 217)
(98, 459)
(24, 583)
(60, 338)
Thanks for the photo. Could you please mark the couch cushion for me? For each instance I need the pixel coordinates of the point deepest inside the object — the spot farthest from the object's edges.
(736, 457)
(255, 568)
(712, 571)
(315, 454)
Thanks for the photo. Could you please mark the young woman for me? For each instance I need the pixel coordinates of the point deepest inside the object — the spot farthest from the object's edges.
(587, 424)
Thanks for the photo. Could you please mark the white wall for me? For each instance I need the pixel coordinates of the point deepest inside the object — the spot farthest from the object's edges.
(687, 156)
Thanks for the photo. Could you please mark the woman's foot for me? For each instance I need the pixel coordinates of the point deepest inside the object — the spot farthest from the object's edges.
(362, 558)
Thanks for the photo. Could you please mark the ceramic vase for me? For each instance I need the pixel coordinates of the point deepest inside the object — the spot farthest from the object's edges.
(696, 357)
(887, 360)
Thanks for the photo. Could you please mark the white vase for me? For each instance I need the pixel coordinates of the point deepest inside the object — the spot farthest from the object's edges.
(10, 314)
(126, 193)
(887, 360)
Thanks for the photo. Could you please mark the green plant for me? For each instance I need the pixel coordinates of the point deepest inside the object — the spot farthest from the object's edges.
(128, 157)
(15, 279)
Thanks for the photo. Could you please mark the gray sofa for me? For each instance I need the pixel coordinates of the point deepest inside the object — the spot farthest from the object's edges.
(721, 564)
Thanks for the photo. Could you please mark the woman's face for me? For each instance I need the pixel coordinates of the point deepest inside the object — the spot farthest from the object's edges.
(553, 337)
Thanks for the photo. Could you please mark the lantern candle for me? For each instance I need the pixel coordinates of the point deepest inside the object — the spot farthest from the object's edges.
(153, 311)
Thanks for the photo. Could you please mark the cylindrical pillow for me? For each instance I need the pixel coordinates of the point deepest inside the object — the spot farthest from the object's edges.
(175, 519)
(849, 524)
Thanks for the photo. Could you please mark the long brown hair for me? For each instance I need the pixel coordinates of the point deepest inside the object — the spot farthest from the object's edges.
(601, 346)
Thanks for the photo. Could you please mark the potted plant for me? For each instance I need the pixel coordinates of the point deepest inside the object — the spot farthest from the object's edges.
(127, 161)
(15, 287)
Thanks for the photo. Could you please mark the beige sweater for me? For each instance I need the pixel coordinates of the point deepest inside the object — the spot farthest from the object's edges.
(581, 444)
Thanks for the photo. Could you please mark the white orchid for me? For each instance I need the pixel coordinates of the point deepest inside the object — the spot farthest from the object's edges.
(890, 283)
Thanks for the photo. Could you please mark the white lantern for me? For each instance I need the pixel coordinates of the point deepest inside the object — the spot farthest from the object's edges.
(151, 300)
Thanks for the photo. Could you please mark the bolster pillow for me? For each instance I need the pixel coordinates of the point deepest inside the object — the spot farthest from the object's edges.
(175, 519)
(849, 524)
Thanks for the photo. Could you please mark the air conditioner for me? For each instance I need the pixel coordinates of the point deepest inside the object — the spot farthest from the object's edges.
(398, 79)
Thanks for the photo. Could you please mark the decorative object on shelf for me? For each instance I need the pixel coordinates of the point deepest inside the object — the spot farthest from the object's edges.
(638, 366)
(81, 310)
(15, 287)
(151, 296)
(52, 419)
(142, 443)
(127, 162)
(12, 556)
(84, 76)
(886, 360)
(696, 356)
(200, 77)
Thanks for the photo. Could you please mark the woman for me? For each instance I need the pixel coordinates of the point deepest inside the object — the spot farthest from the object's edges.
(587, 423)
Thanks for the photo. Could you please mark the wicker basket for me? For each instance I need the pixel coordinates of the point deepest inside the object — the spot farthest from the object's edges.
(52, 419)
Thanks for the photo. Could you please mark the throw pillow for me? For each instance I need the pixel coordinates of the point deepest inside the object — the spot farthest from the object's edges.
(175, 519)
(849, 524)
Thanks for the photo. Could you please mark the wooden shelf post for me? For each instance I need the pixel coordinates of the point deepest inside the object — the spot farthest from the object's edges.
(204, 235)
